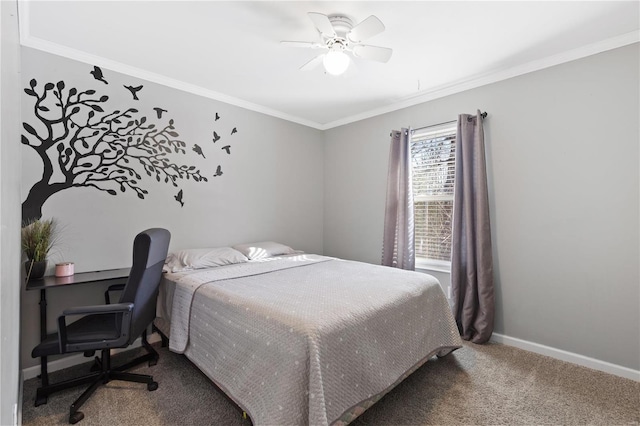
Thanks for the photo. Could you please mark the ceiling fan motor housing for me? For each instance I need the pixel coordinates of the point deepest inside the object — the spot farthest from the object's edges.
(341, 25)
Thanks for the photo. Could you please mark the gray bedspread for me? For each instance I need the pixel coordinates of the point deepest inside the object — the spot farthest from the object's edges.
(304, 339)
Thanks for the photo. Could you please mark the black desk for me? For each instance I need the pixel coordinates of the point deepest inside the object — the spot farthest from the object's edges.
(110, 276)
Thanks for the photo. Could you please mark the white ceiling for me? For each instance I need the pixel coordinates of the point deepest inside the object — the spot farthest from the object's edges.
(230, 51)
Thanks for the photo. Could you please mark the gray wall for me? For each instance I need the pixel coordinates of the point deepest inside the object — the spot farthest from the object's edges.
(9, 212)
(562, 148)
(562, 152)
(271, 187)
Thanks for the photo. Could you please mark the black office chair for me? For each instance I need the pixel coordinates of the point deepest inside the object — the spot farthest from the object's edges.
(105, 327)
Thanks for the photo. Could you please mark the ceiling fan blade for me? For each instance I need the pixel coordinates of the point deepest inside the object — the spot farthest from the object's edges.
(374, 53)
(322, 23)
(310, 44)
(314, 62)
(366, 29)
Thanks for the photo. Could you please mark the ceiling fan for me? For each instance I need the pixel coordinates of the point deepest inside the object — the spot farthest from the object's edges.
(338, 36)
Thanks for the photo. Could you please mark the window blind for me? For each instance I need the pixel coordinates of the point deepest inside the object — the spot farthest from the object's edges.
(433, 169)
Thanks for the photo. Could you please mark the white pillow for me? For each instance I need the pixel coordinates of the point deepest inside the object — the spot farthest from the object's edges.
(185, 260)
(263, 249)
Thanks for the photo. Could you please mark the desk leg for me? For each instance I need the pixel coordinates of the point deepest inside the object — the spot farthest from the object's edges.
(44, 375)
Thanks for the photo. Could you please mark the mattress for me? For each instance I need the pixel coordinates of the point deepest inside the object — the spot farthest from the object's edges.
(305, 339)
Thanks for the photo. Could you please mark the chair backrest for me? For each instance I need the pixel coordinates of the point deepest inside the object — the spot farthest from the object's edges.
(150, 249)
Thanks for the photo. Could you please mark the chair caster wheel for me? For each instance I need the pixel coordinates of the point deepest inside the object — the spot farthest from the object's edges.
(153, 362)
(76, 417)
(40, 400)
(152, 386)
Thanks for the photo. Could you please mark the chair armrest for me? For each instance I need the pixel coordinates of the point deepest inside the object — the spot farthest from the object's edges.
(117, 308)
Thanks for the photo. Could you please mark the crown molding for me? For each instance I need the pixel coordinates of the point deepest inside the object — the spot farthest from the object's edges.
(119, 67)
(494, 77)
(26, 39)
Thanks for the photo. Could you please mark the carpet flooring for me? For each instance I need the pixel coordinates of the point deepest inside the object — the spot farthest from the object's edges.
(476, 385)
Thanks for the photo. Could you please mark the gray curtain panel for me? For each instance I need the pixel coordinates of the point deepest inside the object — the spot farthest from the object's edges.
(471, 258)
(398, 248)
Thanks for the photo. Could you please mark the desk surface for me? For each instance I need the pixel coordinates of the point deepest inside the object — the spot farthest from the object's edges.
(50, 281)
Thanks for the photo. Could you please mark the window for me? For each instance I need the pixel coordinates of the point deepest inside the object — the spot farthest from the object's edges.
(433, 168)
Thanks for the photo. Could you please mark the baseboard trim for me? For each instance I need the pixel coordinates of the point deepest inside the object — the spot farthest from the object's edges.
(69, 361)
(571, 357)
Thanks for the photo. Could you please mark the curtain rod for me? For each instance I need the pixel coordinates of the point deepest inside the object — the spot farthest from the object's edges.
(471, 117)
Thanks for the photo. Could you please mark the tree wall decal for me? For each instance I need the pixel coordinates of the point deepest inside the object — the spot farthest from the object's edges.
(83, 146)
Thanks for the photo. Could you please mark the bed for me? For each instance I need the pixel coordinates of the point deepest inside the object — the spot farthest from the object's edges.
(299, 339)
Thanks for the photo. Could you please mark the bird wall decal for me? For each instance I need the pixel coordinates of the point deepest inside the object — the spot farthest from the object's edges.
(196, 148)
(134, 91)
(218, 171)
(216, 138)
(159, 111)
(227, 148)
(217, 117)
(97, 74)
(178, 198)
(234, 130)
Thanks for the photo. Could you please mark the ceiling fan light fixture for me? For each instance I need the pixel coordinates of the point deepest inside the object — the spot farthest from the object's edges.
(335, 62)
(338, 36)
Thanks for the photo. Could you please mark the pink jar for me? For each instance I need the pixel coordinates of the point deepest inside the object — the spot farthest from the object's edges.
(64, 269)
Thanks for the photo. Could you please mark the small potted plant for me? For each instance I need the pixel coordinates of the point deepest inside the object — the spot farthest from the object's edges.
(38, 238)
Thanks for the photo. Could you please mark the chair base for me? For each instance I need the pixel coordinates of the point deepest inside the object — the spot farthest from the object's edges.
(104, 376)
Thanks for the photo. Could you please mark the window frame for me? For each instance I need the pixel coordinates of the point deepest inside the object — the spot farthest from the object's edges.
(430, 133)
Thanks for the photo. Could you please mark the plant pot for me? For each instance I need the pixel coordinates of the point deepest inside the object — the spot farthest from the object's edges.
(35, 270)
